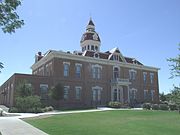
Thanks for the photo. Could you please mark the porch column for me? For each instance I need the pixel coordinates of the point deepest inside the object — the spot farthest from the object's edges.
(128, 93)
(117, 89)
(112, 91)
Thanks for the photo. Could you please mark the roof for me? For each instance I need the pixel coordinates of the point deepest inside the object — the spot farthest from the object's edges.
(91, 22)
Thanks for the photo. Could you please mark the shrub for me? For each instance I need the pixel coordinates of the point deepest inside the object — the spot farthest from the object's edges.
(146, 106)
(163, 107)
(155, 107)
(114, 104)
(172, 107)
(13, 110)
(47, 109)
(26, 104)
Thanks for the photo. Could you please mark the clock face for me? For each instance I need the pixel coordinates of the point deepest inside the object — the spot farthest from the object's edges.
(95, 36)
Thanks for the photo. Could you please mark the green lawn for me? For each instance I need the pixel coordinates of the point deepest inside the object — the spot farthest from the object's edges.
(111, 123)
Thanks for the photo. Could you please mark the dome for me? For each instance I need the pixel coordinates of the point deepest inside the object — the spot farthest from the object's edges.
(90, 36)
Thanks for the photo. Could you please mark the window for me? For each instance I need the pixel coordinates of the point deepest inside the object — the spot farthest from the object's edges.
(145, 94)
(132, 74)
(96, 93)
(96, 48)
(66, 69)
(133, 94)
(116, 73)
(78, 70)
(66, 92)
(152, 95)
(92, 47)
(116, 57)
(145, 77)
(88, 47)
(96, 71)
(44, 91)
(78, 92)
(151, 78)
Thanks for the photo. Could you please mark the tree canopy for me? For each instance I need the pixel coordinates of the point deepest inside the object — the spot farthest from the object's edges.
(9, 19)
(57, 92)
(1, 66)
(175, 65)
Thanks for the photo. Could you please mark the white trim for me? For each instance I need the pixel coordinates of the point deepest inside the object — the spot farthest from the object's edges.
(64, 55)
(132, 70)
(78, 64)
(97, 65)
(97, 87)
(66, 63)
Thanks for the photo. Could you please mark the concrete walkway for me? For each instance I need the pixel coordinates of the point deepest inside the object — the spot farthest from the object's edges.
(15, 126)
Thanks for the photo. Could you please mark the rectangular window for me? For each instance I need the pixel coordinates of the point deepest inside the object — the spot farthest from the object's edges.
(145, 94)
(133, 94)
(96, 72)
(152, 95)
(96, 94)
(44, 91)
(66, 69)
(66, 92)
(78, 70)
(78, 92)
(132, 74)
(145, 77)
(151, 78)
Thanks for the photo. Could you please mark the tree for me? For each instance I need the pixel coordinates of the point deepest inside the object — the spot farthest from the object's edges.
(162, 97)
(175, 72)
(1, 66)
(175, 66)
(57, 92)
(24, 89)
(25, 100)
(9, 19)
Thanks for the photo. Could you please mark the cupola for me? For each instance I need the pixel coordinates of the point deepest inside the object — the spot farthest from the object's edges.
(90, 39)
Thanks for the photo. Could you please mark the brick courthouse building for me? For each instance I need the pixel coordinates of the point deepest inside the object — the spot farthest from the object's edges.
(89, 77)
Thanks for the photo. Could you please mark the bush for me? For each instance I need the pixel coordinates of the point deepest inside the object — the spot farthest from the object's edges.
(172, 107)
(146, 106)
(13, 110)
(155, 107)
(115, 104)
(26, 104)
(163, 107)
(47, 109)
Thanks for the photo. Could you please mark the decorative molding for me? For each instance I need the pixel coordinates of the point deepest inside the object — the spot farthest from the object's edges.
(64, 55)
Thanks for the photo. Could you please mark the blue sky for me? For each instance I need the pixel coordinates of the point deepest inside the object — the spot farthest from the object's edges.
(147, 30)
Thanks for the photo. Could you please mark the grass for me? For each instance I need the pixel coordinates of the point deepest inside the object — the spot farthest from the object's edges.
(111, 123)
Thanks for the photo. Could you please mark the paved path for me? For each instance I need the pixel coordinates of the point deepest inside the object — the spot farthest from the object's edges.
(15, 126)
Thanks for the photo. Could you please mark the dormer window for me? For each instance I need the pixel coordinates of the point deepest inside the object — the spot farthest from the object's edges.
(96, 55)
(116, 57)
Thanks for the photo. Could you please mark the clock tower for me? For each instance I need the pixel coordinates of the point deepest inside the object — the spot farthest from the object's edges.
(90, 40)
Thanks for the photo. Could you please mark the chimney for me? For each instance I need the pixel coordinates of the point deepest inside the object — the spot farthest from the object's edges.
(38, 57)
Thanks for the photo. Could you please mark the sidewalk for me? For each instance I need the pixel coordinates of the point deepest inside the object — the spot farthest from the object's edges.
(13, 125)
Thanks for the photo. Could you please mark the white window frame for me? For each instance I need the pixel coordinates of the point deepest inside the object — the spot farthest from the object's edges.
(132, 74)
(78, 92)
(66, 92)
(66, 72)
